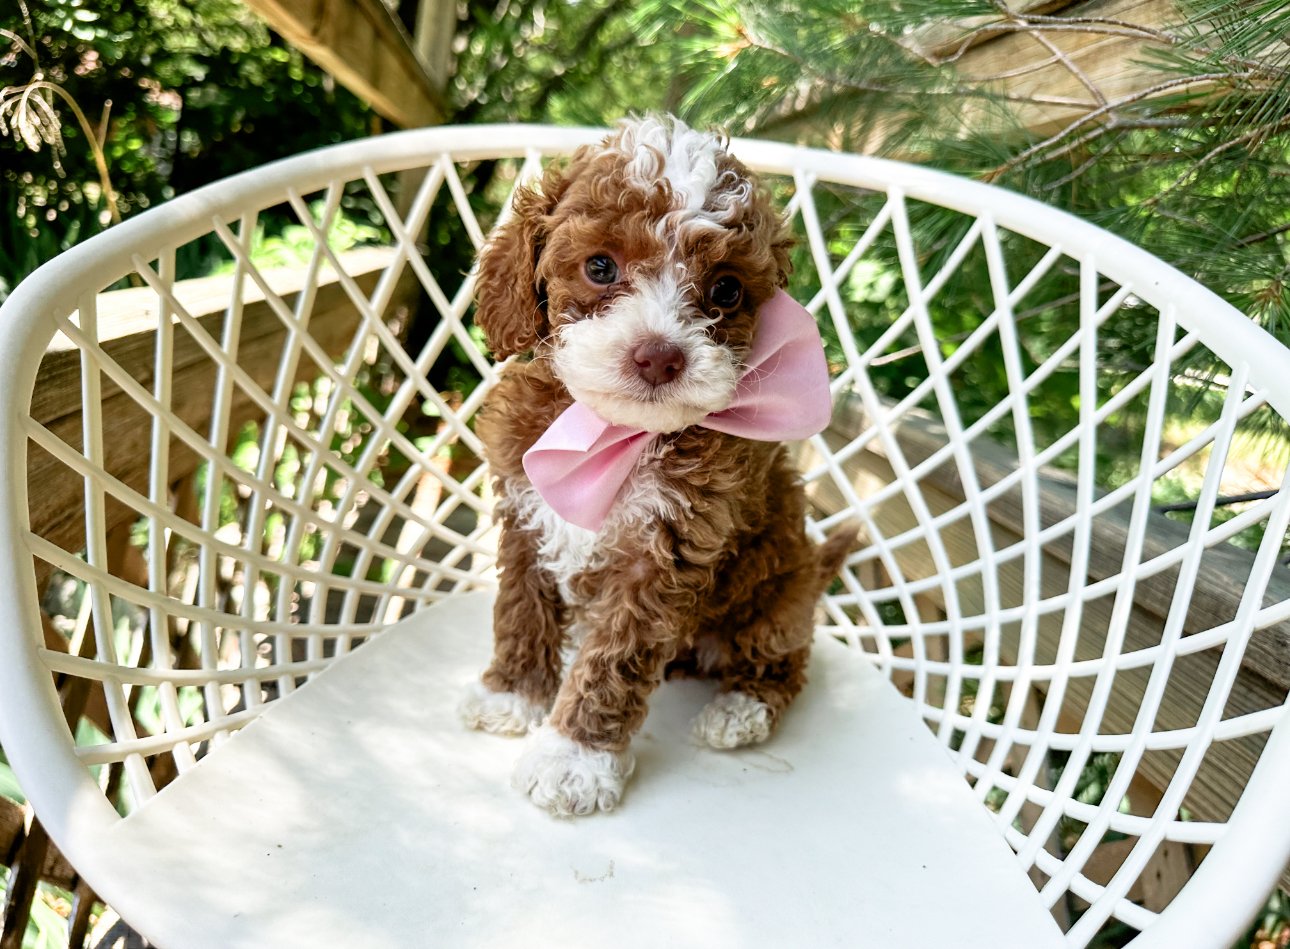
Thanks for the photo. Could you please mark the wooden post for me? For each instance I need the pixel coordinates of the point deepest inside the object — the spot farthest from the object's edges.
(78, 700)
(368, 51)
(436, 26)
(23, 880)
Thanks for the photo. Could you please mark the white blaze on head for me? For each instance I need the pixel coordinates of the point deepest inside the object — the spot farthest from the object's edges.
(688, 159)
(659, 150)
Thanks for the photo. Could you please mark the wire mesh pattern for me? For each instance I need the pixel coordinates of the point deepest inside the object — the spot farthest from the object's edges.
(1075, 524)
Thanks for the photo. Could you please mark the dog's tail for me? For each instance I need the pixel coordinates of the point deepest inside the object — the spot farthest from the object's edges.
(834, 550)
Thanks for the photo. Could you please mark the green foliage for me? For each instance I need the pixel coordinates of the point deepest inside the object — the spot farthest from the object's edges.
(293, 245)
(1094, 779)
(572, 63)
(1271, 929)
(1199, 175)
(8, 782)
(183, 92)
(46, 927)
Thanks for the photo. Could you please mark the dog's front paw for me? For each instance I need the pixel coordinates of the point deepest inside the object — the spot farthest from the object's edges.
(569, 779)
(733, 719)
(502, 713)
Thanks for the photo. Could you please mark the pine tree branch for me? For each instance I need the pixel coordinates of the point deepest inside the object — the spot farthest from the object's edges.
(1264, 236)
(1172, 215)
(1024, 157)
(814, 111)
(1120, 125)
(590, 40)
(1021, 317)
(1082, 168)
(1253, 135)
(1092, 23)
(877, 88)
(1030, 23)
(1039, 37)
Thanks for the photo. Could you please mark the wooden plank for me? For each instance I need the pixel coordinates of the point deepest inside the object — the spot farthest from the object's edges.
(1065, 63)
(436, 27)
(78, 926)
(1170, 867)
(1221, 781)
(27, 847)
(1217, 589)
(1075, 51)
(1165, 874)
(366, 48)
(24, 878)
(1052, 74)
(128, 320)
(55, 868)
(57, 509)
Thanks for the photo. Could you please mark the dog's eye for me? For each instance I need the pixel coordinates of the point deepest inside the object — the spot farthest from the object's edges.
(601, 269)
(726, 292)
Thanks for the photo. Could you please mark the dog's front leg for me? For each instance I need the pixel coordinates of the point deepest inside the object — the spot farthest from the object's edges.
(520, 684)
(579, 761)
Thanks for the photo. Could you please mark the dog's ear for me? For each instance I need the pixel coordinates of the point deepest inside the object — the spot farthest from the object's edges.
(783, 262)
(763, 218)
(782, 242)
(510, 306)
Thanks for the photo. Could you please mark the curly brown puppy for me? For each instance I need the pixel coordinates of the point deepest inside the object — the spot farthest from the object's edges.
(639, 277)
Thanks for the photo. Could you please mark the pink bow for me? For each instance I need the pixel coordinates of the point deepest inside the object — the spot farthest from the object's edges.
(581, 462)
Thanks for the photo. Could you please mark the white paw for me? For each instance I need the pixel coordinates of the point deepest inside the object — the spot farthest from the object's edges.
(732, 719)
(570, 779)
(502, 713)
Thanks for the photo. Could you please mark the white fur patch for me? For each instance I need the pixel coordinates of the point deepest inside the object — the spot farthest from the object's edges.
(671, 150)
(502, 713)
(565, 550)
(569, 779)
(594, 358)
(707, 652)
(732, 719)
(666, 149)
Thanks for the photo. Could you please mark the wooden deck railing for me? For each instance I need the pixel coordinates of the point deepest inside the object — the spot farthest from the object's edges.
(1262, 682)
(128, 320)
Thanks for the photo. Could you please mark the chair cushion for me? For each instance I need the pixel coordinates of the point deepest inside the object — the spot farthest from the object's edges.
(358, 811)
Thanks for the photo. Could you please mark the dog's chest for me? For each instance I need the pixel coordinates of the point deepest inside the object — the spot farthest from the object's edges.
(566, 550)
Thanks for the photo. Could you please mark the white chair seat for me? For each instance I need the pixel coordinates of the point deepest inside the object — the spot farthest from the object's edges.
(359, 812)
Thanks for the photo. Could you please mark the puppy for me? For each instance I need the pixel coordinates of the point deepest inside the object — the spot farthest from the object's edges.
(635, 276)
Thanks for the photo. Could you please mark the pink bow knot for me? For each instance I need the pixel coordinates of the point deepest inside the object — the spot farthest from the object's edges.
(581, 462)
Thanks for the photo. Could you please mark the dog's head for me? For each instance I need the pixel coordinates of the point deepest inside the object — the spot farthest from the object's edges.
(638, 269)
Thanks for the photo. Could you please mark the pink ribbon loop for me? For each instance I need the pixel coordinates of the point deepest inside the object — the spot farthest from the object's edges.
(581, 462)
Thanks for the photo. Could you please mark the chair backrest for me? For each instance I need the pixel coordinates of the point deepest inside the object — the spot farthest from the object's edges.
(215, 485)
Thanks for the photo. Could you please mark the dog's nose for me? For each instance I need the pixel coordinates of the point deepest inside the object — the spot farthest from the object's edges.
(658, 361)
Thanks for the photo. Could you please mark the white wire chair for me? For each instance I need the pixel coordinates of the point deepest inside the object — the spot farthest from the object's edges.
(1017, 585)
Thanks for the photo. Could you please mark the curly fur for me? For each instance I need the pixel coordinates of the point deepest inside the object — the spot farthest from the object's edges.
(704, 567)
(571, 779)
